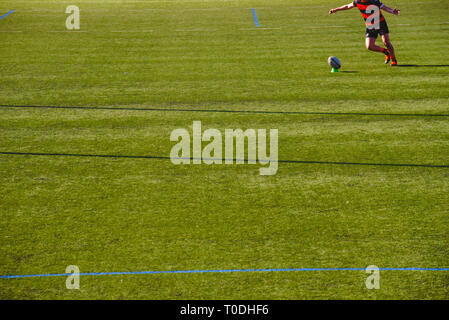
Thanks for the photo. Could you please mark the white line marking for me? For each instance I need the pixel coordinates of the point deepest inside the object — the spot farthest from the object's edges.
(132, 31)
(321, 27)
(196, 30)
(259, 28)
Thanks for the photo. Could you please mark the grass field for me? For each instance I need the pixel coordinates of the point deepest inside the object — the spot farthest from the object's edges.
(139, 214)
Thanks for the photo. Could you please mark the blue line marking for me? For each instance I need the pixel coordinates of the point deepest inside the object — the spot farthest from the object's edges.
(7, 14)
(214, 271)
(256, 21)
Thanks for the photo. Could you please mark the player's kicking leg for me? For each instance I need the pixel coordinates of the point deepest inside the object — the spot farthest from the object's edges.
(370, 44)
(387, 43)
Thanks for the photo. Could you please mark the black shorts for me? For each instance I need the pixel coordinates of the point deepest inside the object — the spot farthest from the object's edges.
(374, 33)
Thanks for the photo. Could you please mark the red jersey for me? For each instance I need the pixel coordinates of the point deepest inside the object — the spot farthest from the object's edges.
(367, 9)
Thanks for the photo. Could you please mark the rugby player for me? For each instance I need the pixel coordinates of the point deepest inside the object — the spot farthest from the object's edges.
(375, 25)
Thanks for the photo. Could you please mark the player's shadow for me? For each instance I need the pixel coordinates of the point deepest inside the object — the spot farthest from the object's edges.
(349, 71)
(422, 65)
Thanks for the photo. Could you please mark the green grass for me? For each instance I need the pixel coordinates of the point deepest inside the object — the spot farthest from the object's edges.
(106, 214)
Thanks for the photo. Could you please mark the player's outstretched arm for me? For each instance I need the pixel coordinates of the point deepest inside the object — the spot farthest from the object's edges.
(395, 11)
(346, 7)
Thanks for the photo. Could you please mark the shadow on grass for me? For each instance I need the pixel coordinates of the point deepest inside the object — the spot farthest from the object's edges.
(422, 65)
(349, 71)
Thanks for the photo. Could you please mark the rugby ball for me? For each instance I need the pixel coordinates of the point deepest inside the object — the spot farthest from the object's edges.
(334, 62)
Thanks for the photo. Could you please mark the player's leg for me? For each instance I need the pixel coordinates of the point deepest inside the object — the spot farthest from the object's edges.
(371, 45)
(389, 45)
(385, 34)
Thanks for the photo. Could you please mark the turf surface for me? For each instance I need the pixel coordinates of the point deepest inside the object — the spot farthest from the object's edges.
(130, 214)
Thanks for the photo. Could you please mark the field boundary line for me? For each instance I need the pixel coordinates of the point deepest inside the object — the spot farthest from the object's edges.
(212, 271)
(7, 14)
